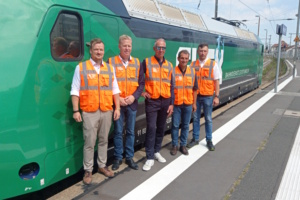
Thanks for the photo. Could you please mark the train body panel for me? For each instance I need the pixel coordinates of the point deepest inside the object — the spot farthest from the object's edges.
(40, 142)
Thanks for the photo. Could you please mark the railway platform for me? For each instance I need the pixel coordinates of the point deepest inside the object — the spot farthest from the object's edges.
(257, 156)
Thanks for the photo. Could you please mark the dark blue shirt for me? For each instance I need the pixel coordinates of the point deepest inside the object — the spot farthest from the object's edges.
(139, 90)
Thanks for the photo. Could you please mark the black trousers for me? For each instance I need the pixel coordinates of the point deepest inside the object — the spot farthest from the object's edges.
(156, 121)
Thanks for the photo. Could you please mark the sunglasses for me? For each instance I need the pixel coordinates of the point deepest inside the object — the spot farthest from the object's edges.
(160, 48)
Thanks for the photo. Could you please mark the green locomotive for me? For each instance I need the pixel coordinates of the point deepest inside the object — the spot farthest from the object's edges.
(40, 143)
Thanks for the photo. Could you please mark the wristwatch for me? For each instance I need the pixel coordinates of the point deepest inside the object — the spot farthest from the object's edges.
(218, 96)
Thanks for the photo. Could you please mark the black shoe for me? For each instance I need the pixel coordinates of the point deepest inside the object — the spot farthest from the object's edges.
(192, 143)
(174, 150)
(132, 164)
(210, 145)
(183, 150)
(116, 164)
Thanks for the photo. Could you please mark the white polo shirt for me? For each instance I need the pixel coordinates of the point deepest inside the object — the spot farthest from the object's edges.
(216, 69)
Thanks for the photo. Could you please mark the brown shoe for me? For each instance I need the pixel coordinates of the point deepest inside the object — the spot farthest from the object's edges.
(174, 150)
(87, 178)
(105, 171)
(183, 150)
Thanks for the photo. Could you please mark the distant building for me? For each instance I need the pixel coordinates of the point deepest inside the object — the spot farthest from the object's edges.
(284, 46)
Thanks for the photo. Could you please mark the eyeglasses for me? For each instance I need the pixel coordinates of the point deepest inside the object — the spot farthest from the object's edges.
(160, 48)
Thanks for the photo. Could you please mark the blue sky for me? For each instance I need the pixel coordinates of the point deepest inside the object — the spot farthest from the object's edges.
(268, 10)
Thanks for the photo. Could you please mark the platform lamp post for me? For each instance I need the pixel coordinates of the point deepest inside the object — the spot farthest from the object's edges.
(280, 30)
(270, 43)
(296, 41)
(266, 43)
(258, 24)
(291, 39)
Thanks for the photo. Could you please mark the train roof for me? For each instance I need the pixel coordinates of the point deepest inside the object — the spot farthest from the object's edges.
(155, 10)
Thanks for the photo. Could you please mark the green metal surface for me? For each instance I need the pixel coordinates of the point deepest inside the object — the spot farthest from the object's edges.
(36, 123)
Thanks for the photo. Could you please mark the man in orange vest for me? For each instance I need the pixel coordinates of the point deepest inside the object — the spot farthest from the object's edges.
(95, 88)
(208, 94)
(74, 49)
(159, 100)
(59, 47)
(131, 83)
(185, 92)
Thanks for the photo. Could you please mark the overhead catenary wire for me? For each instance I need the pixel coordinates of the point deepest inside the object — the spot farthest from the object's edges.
(266, 9)
(270, 9)
(271, 15)
(199, 4)
(253, 10)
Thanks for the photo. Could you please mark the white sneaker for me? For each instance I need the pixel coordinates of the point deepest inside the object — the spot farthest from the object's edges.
(148, 164)
(159, 158)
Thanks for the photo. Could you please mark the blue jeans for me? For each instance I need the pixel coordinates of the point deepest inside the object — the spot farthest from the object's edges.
(130, 115)
(183, 115)
(205, 102)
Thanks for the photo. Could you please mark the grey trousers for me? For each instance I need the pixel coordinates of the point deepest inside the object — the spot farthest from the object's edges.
(96, 125)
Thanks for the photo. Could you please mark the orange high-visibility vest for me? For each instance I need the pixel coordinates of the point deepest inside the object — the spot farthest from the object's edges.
(183, 89)
(158, 79)
(66, 56)
(205, 77)
(95, 89)
(127, 77)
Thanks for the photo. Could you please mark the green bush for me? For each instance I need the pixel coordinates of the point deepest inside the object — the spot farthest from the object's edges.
(269, 71)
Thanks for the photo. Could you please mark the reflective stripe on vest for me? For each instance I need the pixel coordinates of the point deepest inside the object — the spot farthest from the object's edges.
(205, 77)
(183, 89)
(95, 90)
(158, 79)
(127, 77)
